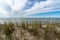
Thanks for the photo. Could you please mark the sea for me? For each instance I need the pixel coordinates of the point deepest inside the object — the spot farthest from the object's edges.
(43, 20)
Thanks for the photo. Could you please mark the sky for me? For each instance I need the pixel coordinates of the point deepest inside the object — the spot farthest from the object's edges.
(29, 8)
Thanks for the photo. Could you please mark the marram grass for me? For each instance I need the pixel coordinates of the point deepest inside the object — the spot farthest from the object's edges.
(11, 31)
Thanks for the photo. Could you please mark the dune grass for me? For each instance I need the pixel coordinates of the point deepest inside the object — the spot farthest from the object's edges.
(49, 32)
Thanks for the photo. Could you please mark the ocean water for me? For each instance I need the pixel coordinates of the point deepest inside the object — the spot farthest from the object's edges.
(57, 20)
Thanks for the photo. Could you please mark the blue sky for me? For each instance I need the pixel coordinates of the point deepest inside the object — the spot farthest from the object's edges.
(29, 8)
(53, 14)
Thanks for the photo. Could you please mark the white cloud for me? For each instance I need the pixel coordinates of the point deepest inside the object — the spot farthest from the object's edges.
(9, 7)
(14, 8)
(3, 13)
(46, 6)
(18, 5)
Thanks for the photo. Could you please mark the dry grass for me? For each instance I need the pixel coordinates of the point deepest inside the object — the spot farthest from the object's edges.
(48, 31)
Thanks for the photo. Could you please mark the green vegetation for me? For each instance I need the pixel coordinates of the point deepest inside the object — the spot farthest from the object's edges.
(48, 31)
